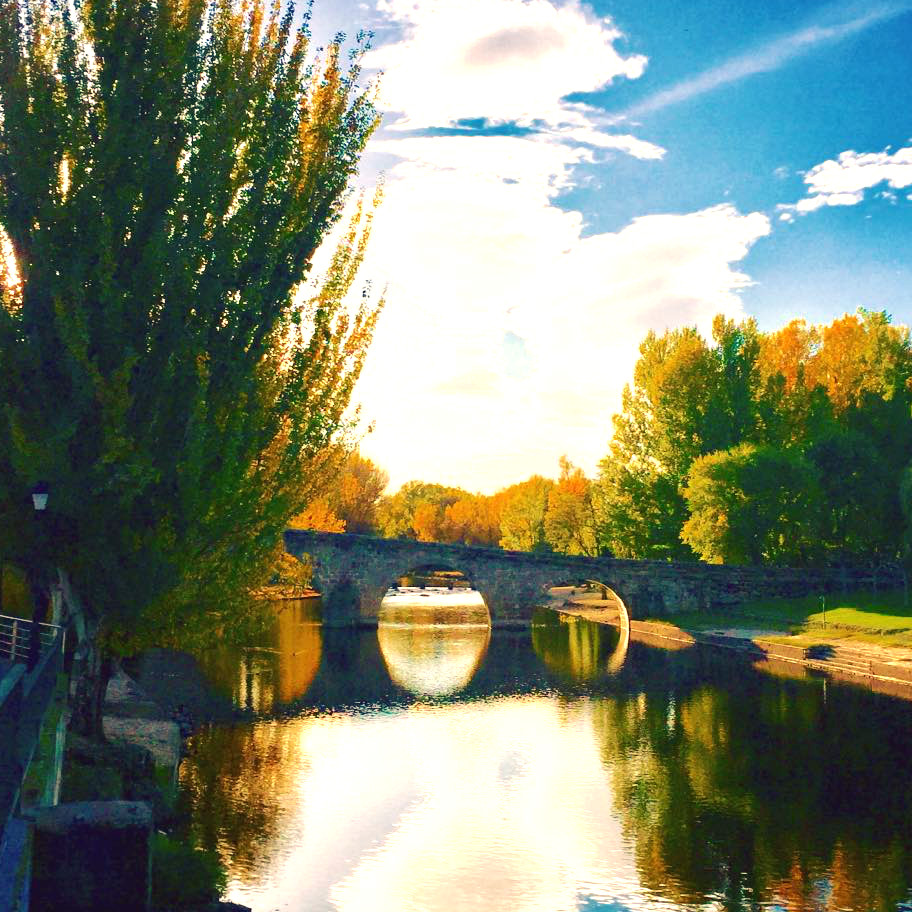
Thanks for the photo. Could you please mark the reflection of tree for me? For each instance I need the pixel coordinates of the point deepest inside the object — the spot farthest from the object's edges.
(300, 642)
(798, 801)
(240, 781)
(278, 670)
(573, 647)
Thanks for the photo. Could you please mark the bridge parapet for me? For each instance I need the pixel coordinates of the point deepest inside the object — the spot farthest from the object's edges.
(354, 571)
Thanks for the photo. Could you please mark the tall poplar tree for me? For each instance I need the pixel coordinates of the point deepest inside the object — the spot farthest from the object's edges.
(167, 170)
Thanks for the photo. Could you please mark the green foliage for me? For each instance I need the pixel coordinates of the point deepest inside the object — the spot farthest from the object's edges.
(167, 171)
(15, 599)
(355, 494)
(537, 514)
(677, 410)
(905, 499)
(522, 521)
(855, 490)
(570, 517)
(750, 505)
(473, 520)
(834, 401)
(183, 876)
(397, 513)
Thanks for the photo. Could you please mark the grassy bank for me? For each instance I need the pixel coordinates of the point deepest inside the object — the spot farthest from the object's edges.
(882, 618)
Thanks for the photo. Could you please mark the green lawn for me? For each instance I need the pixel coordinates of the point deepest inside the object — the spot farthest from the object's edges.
(880, 617)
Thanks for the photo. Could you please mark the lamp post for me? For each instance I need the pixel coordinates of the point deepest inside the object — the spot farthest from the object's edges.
(39, 503)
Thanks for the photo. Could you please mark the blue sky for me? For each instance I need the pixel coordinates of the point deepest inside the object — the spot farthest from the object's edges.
(749, 141)
(564, 176)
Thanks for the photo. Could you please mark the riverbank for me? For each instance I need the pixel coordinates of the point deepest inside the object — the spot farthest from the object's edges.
(176, 683)
(139, 763)
(764, 633)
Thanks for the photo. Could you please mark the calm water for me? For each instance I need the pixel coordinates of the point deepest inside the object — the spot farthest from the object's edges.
(457, 769)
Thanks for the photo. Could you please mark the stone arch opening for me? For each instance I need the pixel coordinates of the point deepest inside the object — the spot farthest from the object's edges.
(586, 599)
(433, 629)
(434, 594)
(590, 595)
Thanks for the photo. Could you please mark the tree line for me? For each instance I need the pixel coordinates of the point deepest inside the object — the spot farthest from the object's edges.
(789, 447)
(538, 514)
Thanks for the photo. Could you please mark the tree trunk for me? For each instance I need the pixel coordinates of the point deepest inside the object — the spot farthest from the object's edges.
(39, 610)
(88, 698)
(97, 666)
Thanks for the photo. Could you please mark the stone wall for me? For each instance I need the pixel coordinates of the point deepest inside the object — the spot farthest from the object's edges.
(353, 573)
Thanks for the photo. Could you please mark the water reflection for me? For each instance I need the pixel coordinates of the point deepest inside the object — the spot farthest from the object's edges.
(243, 780)
(432, 661)
(277, 671)
(764, 792)
(578, 649)
(682, 780)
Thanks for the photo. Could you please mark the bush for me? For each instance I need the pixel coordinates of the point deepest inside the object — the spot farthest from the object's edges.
(183, 876)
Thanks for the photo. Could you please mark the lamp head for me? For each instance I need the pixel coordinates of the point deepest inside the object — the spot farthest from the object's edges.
(40, 496)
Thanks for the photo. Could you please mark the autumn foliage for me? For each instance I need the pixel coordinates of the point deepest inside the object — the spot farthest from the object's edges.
(784, 447)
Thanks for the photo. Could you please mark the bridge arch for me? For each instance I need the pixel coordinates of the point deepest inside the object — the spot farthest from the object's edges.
(432, 591)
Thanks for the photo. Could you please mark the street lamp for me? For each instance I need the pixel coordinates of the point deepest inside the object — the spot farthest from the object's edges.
(39, 502)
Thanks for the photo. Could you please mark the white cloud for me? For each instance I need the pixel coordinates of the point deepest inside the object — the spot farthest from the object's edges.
(622, 142)
(473, 247)
(813, 203)
(504, 60)
(843, 181)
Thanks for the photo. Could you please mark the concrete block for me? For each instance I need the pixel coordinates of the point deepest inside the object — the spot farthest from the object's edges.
(92, 856)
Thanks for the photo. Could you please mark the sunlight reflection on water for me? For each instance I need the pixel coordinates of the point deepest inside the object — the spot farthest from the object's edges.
(438, 769)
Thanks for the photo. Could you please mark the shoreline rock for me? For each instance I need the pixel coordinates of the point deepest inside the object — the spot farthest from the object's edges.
(174, 680)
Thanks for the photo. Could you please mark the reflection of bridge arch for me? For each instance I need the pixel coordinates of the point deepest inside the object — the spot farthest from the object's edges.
(620, 653)
(619, 656)
(575, 647)
(433, 661)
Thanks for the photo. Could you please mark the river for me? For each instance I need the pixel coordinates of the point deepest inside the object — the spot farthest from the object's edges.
(451, 768)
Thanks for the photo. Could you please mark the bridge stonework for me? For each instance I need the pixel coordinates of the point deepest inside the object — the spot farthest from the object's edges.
(353, 573)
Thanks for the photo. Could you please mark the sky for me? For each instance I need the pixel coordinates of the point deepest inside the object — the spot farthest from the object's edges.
(563, 176)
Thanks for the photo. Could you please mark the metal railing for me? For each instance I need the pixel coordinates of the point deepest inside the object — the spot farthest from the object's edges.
(24, 698)
(16, 634)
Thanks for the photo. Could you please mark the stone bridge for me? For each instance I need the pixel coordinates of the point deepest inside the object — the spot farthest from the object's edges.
(353, 573)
